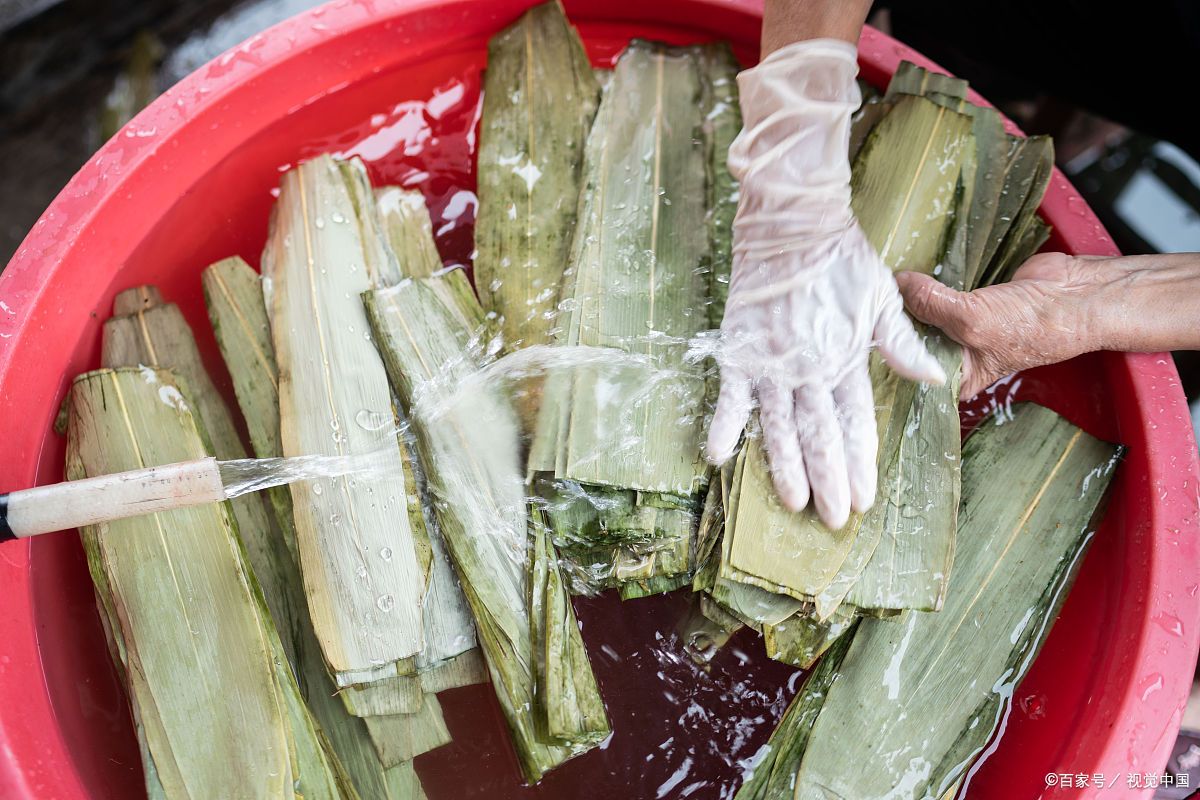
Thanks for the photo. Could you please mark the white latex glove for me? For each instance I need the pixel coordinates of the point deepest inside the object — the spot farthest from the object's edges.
(808, 294)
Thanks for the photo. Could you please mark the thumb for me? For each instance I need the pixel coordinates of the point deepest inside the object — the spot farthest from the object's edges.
(900, 344)
(931, 301)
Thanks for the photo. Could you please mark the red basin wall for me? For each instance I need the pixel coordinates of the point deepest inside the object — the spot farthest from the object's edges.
(186, 184)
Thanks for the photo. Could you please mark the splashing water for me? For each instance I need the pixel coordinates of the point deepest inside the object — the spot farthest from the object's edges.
(680, 730)
(436, 399)
(246, 475)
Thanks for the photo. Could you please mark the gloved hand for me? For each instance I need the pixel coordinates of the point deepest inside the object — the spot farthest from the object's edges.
(808, 294)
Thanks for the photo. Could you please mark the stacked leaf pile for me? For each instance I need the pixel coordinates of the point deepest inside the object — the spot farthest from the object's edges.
(342, 737)
(634, 270)
(938, 187)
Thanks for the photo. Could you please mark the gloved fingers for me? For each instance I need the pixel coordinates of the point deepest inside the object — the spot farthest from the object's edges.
(777, 415)
(824, 451)
(856, 404)
(901, 345)
(729, 420)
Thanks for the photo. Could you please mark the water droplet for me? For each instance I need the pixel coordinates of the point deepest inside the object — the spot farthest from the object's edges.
(372, 420)
(1034, 706)
(361, 572)
(386, 553)
(385, 602)
(320, 223)
(1169, 623)
(1150, 684)
(316, 489)
(335, 518)
(338, 217)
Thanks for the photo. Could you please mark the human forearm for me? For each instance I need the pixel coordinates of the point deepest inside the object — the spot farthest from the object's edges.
(1145, 303)
(788, 21)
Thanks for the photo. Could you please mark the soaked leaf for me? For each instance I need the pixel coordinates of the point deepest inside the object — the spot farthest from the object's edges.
(1027, 174)
(801, 639)
(638, 285)
(918, 699)
(401, 738)
(911, 79)
(184, 613)
(147, 331)
(568, 709)
(649, 270)
(235, 306)
(991, 157)
(449, 631)
(321, 254)
(539, 98)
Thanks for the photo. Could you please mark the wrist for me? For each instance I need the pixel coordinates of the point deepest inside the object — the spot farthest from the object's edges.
(1145, 303)
(1086, 313)
(1102, 314)
(787, 21)
(790, 157)
(815, 77)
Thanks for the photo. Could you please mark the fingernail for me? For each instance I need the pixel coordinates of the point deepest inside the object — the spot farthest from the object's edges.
(938, 375)
(835, 511)
(716, 457)
(862, 497)
(719, 448)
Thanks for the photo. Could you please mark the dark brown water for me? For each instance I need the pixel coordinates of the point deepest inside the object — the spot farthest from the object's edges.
(679, 730)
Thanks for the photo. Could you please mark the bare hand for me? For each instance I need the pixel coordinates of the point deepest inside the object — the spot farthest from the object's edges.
(1058, 306)
(1044, 315)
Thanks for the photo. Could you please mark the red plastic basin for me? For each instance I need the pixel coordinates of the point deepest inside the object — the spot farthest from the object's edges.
(189, 182)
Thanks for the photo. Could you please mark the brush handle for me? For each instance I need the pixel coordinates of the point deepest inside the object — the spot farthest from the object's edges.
(73, 504)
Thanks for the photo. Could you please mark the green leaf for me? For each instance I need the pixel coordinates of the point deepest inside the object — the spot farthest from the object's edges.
(321, 254)
(919, 699)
